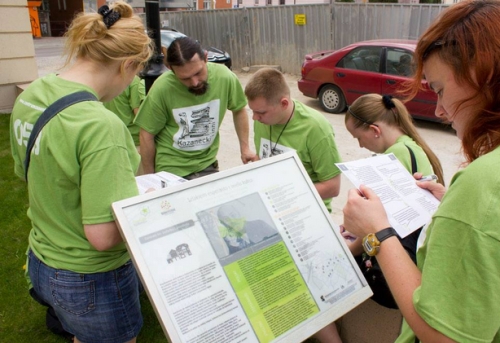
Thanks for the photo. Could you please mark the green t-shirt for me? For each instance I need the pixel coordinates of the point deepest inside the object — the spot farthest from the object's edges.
(400, 150)
(310, 135)
(84, 160)
(459, 293)
(186, 126)
(124, 104)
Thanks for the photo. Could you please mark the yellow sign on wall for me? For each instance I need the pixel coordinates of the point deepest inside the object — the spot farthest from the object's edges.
(300, 19)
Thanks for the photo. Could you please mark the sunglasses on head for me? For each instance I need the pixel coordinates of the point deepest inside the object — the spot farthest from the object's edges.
(437, 44)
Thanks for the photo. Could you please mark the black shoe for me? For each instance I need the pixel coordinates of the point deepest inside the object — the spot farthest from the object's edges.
(51, 320)
(55, 326)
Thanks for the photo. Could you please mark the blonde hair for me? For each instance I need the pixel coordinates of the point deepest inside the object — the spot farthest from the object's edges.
(88, 37)
(370, 108)
(268, 83)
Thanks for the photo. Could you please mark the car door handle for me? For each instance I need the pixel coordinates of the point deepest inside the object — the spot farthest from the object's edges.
(340, 74)
(391, 82)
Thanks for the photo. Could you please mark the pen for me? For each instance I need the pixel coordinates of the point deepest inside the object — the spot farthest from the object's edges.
(431, 177)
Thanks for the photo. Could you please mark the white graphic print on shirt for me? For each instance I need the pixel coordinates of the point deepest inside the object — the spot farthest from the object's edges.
(265, 148)
(198, 126)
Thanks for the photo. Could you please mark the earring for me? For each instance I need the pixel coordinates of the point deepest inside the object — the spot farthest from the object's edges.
(376, 136)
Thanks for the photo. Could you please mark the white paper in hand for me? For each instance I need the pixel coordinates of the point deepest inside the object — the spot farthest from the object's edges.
(408, 206)
(157, 181)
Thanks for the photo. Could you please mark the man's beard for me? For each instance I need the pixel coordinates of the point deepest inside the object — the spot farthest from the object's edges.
(200, 89)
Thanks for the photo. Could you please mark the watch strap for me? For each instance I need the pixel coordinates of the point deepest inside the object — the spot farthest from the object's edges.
(383, 234)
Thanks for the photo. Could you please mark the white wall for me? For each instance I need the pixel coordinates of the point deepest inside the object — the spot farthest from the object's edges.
(17, 55)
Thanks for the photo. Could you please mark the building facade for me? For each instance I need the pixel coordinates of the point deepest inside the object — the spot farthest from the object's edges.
(17, 56)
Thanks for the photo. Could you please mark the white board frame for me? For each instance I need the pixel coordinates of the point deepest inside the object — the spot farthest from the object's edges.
(139, 218)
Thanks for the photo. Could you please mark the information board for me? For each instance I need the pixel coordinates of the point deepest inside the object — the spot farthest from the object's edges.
(245, 255)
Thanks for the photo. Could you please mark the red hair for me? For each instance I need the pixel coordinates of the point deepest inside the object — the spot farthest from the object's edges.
(466, 37)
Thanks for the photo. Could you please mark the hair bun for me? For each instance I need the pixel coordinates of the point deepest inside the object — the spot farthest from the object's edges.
(109, 16)
(388, 103)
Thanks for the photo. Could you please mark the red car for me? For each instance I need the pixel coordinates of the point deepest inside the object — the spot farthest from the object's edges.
(338, 77)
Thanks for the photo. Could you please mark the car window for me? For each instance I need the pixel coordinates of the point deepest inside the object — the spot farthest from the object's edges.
(365, 58)
(167, 37)
(399, 62)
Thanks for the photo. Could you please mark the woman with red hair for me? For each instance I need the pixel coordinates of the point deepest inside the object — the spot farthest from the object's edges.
(453, 294)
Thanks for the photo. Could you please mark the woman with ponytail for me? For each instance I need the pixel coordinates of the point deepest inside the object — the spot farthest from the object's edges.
(382, 124)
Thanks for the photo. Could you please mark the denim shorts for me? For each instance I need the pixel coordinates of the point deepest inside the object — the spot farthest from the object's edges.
(100, 307)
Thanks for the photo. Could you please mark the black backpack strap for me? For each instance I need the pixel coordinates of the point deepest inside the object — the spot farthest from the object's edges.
(410, 241)
(413, 161)
(48, 114)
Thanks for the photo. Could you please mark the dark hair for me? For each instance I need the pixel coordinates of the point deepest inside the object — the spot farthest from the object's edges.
(371, 108)
(182, 50)
(466, 37)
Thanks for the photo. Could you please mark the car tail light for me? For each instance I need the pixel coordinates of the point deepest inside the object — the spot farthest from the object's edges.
(303, 69)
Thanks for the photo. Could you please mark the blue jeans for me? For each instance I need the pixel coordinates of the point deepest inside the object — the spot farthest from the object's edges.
(100, 307)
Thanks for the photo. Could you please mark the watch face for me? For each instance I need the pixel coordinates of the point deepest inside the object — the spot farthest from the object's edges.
(371, 245)
(367, 247)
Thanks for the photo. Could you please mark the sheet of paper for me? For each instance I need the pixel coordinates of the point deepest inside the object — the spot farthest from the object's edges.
(157, 181)
(169, 179)
(408, 206)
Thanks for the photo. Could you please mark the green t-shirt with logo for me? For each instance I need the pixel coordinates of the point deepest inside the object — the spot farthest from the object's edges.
(310, 135)
(186, 126)
(83, 160)
(459, 292)
(124, 104)
(400, 150)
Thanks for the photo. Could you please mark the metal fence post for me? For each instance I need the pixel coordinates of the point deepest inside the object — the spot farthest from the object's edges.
(155, 66)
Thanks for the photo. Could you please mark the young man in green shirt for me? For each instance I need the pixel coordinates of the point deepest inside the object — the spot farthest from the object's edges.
(182, 113)
(282, 124)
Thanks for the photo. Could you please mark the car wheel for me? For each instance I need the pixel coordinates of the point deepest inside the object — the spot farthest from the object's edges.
(331, 98)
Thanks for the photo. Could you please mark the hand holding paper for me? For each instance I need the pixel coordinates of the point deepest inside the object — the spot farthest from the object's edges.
(364, 214)
(408, 207)
(437, 189)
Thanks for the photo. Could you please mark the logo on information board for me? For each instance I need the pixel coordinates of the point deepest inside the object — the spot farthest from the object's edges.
(166, 207)
(143, 215)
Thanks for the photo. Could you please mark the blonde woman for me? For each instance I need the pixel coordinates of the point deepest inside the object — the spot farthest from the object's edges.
(83, 160)
(383, 125)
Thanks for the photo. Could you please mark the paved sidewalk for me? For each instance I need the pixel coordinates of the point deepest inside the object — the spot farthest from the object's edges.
(48, 42)
(48, 54)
